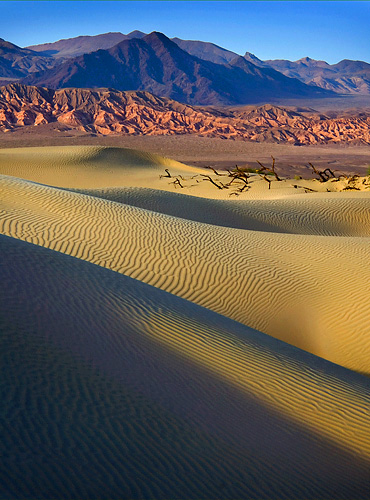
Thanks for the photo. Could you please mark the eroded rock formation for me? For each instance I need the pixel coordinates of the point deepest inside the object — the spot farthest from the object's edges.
(108, 111)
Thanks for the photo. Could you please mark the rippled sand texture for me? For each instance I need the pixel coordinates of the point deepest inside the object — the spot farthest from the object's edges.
(114, 388)
(305, 289)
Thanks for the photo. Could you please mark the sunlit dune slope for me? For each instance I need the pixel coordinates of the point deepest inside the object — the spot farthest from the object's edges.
(87, 166)
(103, 168)
(310, 291)
(336, 214)
(113, 389)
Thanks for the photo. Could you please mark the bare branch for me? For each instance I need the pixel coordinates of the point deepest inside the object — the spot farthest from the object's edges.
(177, 182)
(264, 176)
(208, 177)
(307, 189)
(271, 170)
(168, 174)
(213, 170)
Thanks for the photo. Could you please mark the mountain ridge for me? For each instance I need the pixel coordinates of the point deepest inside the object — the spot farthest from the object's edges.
(345, 77)
(158, 65)
(111, 112)
(72, 47)
(16, 62)
(348, 77)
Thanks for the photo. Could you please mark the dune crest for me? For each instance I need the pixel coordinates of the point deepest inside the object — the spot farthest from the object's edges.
(101, 167)
(300, 288)
(339, 214)
(165, 336)
(87, 167)
(150, 386)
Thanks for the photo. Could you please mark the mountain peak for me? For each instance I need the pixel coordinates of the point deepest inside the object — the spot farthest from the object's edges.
(136, 34)
(156, 39)
(248, 56)
(8, 45)
(251, 56)
(156, 35)
(309, 61)
(241, 61)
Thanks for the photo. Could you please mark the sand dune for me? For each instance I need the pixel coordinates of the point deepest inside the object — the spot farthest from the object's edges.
(166, 385)
(308, 290)
(87, 167)
(98, 167)
(340, 214)
(114, 389)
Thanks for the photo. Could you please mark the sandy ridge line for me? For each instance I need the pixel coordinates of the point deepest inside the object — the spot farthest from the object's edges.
(302, 289)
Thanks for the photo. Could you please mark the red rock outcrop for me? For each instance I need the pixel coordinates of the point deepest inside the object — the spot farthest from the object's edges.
(108, 111)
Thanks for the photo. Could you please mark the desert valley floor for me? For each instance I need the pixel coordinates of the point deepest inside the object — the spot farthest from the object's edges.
(165, 338)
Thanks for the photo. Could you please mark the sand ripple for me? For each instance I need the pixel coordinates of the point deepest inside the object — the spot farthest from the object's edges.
(310, 291)
(340, 214)
(113, 389)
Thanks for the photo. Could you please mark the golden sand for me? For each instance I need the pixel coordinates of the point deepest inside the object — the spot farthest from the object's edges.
(283, 262)
(167, 399)
(306, 289)
(88, 167)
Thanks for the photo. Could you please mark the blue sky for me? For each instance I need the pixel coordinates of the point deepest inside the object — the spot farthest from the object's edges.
(331, 31)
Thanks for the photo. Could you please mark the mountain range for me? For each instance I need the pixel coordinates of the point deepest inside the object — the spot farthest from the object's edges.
(109, 111)
(72, 47)
(193, 72)
(16, 62)
(345, 77)
(156, 64)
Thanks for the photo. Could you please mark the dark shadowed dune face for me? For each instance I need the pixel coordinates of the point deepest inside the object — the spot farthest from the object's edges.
(102, 380)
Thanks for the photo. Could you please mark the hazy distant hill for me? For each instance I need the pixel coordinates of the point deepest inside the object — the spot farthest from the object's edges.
(345, 77)
(206, 50)
(158, 65)
(16, 62)
(73, 47)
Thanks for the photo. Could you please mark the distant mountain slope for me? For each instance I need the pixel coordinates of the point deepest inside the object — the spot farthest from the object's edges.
(206, 50)
(345, 77)
(158, 65)
(108, 111)
(73, 47)
(16, 62)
